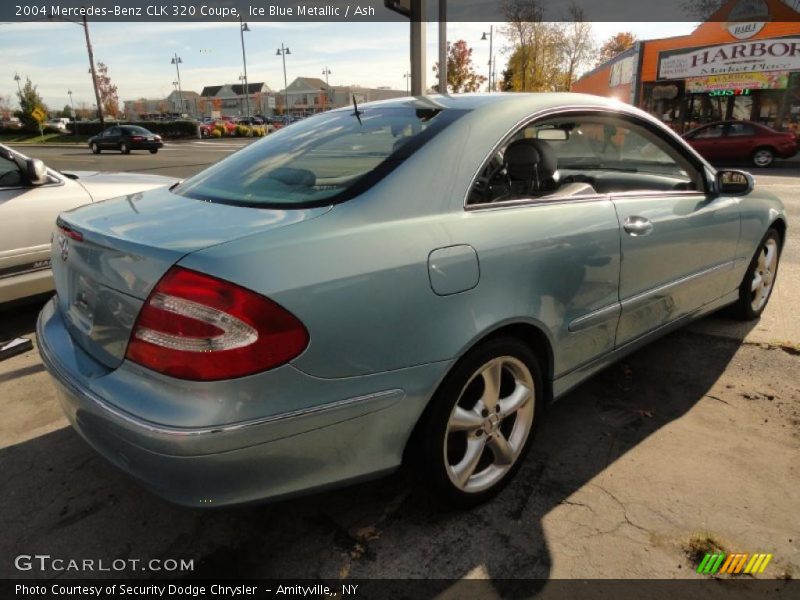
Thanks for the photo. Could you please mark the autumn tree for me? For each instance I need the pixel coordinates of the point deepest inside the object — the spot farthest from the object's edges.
(109, 97)
(615, 45)
(29, 101)
(461, 75)
(577, 45)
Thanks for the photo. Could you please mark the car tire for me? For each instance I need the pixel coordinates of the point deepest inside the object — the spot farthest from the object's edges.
(759, 280)
(470, 443)
(123, 147)
(94, 148)
(154, 151)
(763, 157)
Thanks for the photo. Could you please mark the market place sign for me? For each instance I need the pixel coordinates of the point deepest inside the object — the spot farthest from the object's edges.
(779, 54)
(773, 80)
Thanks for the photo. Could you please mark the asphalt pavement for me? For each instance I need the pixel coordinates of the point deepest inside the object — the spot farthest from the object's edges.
(689, 443)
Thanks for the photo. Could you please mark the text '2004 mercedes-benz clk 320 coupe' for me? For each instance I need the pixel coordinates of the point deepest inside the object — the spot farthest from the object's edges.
(405, 280)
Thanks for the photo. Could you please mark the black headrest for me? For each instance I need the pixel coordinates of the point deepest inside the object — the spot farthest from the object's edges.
(530, 158)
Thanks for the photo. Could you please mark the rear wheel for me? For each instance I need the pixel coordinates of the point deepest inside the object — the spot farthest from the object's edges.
(479, 425)
(756, 288)
(123, 147)
(763, 157)
(153, 150)
(95, 148)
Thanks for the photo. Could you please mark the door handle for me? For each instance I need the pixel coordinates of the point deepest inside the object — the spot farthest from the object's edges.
(637, 226)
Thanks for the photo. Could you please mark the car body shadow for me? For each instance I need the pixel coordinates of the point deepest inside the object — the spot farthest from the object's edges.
(62, 499)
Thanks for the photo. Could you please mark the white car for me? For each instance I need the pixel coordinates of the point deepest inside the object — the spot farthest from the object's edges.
(59, 123)
(31, 197)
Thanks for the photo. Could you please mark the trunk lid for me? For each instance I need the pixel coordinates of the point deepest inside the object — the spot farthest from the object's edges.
(120, 248)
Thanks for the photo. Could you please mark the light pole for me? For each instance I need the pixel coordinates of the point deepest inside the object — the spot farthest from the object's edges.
(326, 71)
(176, 60)
(17, 78)
(282, 52)
(407, 77)
(74, 116)
(242, 28)
(483, 39)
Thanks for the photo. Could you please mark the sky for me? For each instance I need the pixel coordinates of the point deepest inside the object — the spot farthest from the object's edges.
(138, 55)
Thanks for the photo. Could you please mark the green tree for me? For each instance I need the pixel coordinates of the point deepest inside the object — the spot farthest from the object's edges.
(66, 111)
(29, 101)
(461, 75)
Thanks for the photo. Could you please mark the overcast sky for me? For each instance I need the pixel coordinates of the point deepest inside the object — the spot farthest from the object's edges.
(138, 55)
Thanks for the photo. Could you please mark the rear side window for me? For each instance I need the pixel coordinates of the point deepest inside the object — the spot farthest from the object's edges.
(321, 160)
(741, 129)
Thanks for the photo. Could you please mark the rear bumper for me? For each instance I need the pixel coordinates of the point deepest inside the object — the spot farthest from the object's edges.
(146, 145)
(280, 455)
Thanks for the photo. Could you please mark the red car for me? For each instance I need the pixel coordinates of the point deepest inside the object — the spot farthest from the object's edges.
(226, 122)
(740, 141)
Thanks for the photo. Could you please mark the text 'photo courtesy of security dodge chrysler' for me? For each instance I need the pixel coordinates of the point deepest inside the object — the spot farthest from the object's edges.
(408, 281)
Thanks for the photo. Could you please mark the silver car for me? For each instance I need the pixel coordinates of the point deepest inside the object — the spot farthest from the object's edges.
(410, 280)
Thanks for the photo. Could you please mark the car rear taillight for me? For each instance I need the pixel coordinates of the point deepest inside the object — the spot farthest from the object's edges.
(69, 232)
(137, 138)
(194, 326)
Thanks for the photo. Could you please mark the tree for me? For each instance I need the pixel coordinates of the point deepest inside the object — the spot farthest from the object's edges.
(615, 45)
(29, 101)
(461, 75)
(578, 45)
(108, 92)
(66, 111)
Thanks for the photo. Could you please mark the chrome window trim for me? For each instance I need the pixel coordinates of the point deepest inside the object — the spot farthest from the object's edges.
(645, 120)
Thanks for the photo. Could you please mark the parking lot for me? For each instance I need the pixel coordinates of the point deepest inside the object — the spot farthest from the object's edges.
(688, 444)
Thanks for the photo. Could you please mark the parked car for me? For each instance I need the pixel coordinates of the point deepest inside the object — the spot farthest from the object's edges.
(250, 121)
(126, 138)
(59, 123)
(742, 141)
(31, 197)
(414, 281)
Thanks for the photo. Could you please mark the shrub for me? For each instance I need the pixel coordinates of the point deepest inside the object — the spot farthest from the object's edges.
(216, 133)
(166, 129)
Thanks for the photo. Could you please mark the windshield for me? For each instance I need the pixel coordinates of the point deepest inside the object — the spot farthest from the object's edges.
(322, 160)
(136, 130)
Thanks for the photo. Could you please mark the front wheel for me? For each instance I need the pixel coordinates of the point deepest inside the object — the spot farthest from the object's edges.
(95, 148)
(153, 150)
(756, 288)
(480, 423)
(123, 147)
(763, 157)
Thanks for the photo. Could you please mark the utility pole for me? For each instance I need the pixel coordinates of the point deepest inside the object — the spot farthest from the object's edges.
(283, 51)
(489, 87)
(418, 45)
(94, 73)
(442, 46)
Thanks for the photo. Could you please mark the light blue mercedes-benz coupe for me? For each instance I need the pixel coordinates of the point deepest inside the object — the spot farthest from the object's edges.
(410, 280)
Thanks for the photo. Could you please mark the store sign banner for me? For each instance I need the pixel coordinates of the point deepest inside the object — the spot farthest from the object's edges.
(774, 80)
(780, 54)
(621, 72)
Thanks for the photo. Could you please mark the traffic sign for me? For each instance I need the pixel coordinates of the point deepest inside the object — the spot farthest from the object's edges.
(39, 114)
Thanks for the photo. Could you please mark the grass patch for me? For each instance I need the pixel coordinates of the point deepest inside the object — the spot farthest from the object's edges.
(24, 137)
(701, 544)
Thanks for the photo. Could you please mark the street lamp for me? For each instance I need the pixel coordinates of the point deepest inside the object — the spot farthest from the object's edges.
(74, 116)
(326, 71)
(176, 60)
(483, 39)
(407, 77)
(282, 52)
(242, 28)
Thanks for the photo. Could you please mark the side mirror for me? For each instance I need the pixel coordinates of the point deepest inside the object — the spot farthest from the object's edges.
(734, 183)
(35, 171)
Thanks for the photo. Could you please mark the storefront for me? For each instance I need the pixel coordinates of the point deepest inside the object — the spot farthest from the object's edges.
(726, 69)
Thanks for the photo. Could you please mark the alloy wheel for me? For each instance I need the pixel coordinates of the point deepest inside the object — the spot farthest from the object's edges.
(764, 274)
(763, 157)
(489, 424)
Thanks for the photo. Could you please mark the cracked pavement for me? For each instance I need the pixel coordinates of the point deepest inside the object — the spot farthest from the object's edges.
(697, 434)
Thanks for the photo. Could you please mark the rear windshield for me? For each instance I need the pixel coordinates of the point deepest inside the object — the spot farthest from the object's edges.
(321, 160)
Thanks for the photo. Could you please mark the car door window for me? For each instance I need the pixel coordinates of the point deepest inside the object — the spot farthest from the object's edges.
(579, 156)
(741, 129)
(10, 175)
(713, 131)
(114, 131)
